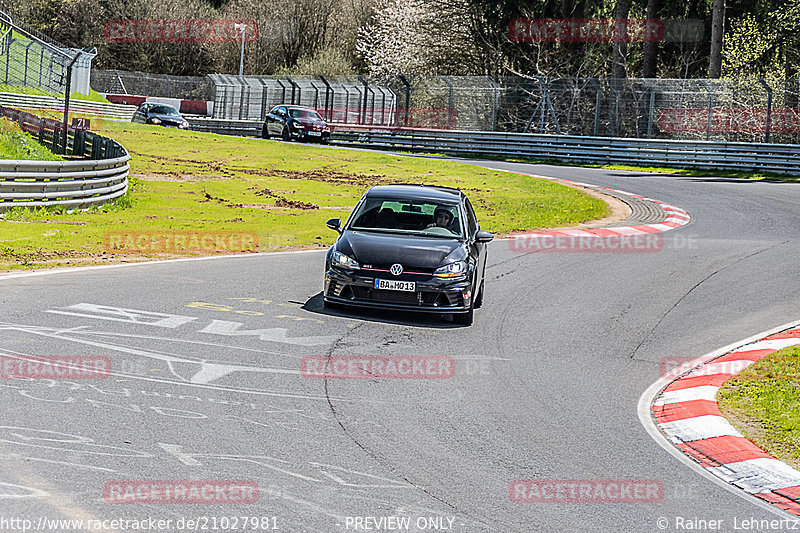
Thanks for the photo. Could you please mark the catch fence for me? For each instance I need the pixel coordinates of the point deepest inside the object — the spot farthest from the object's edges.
(752, 110)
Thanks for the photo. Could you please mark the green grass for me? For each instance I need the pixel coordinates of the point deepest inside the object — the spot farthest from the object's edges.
(763, 403)
(18, 144)
(93, 95)
(190, 181)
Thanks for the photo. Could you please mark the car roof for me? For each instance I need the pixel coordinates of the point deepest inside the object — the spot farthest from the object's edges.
(416, 192)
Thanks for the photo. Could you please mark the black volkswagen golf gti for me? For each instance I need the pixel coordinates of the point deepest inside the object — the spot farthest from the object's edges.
(409, 248)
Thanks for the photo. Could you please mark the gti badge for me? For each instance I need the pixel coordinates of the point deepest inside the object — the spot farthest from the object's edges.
(396, 269)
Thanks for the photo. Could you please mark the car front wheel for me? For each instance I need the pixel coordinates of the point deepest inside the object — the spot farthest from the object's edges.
(479, 298)
(285, 134)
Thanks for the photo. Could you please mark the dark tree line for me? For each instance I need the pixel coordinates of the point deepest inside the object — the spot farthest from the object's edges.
(729, 38)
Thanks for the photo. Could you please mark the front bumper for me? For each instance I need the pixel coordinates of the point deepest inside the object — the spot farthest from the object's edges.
(303, 135)
(432, 295)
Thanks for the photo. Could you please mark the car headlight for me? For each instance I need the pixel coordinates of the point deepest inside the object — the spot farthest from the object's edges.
(451, 270)
(155, 120)
(297, 126)
(183, 125)
(342, 260)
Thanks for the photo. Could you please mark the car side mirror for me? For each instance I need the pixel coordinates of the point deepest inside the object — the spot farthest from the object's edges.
(335, 224)
(483, 236)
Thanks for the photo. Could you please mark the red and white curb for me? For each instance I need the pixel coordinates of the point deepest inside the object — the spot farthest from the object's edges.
(676, 217)
(686, 412)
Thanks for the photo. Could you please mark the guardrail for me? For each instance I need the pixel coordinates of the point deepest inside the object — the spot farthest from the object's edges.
(51, 103)
(76, 184)
(779, 158)
(241, 128)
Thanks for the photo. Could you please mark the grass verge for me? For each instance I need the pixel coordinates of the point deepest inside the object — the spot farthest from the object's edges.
(18, 144)
(763, 403)
(283, 192)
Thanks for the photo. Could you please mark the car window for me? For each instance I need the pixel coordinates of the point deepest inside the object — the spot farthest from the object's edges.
(280, 111)
(164, 110)
(472, 221)
(304, 113)
(407, 216)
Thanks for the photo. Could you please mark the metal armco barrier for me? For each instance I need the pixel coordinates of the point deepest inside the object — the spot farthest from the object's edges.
(241, 128)
(33, 103)
(101, 175)
(76, 184)
(779, 158)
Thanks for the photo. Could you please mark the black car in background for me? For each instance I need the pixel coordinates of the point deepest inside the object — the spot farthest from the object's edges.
(160, 114)
(295, 122)
(409, 248)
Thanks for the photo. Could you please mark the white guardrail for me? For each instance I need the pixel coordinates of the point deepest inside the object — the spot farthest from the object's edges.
(29, 102)
(76, 184)
(778, 158)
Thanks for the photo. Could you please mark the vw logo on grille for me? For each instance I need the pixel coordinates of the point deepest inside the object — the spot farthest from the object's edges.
(396, 269)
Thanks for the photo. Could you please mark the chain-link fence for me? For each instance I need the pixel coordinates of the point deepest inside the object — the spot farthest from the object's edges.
(734, 110)
(32, 62)
(145, 84)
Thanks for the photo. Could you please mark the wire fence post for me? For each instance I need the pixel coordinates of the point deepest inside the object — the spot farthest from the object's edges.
(496, 103)
(408, 98)
(651, 112)
(769, 109)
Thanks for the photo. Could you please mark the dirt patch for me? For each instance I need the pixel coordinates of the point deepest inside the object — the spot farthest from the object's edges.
(329, 176)
(169, 176)
(281, 201)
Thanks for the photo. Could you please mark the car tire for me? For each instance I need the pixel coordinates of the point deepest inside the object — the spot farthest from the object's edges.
(265, 132)
(465, 319)
(479, 299)
(285, 134)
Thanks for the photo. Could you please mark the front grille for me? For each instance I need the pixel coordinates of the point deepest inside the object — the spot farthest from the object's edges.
(401, 297)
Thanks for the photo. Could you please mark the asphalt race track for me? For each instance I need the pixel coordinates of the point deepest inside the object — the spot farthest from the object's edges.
(206, 381)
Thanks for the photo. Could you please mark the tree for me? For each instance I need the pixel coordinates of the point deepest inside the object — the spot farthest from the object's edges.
(717, 32)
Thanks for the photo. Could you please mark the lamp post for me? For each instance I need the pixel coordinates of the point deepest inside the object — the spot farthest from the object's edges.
(243, 29)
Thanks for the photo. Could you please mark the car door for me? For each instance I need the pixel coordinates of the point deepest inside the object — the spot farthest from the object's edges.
(138, 115)
(270, 119)
(280, 121)
(476, 249)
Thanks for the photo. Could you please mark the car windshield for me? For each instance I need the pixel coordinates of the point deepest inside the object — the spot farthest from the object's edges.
(304, 113)
(413, 217)
(164, 110)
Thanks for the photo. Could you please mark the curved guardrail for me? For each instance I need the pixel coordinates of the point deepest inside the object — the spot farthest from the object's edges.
(779, 158)
(100, 175)
(76, 184)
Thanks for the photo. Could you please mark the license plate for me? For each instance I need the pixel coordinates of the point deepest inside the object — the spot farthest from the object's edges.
(315, 133)
(395, 285)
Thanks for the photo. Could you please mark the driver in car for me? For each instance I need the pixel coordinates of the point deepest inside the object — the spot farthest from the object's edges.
(442, 217)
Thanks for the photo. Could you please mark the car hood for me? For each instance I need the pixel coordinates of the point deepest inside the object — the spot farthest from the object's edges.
(171, 118)
(311, 123)
(375, 248)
